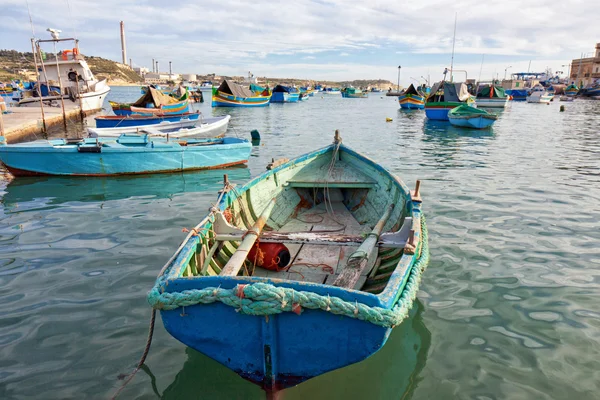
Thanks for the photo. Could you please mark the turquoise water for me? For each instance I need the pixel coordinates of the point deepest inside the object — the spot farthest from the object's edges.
(508, 308)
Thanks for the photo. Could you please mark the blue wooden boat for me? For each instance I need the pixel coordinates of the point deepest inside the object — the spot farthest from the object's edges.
(129, 154)
(471, 117)
(411, 99)
(354, 93)
(444, 97)
(338, 268)
(285, 94)
(134, 121)
(230, 94)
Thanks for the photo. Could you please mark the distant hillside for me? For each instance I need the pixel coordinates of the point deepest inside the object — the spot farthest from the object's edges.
(378, 83)
(17, 65)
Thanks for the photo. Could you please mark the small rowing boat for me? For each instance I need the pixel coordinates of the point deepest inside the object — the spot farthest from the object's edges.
(354, 93)
(134, 121)
(411, 99)
(302, 270)
(127, 155)
(470, 117)
(201, 128)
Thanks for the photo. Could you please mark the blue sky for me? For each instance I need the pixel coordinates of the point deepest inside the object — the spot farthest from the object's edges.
(318, 39)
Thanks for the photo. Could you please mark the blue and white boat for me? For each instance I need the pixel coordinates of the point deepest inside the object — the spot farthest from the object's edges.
(285, 94)
(127, 155)
(134, 121)
(444, 97)
(197, 128)
(283, 305)
(332, 91)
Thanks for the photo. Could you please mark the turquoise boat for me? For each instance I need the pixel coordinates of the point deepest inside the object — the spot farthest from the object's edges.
(126, 155)
(353, 93)
(471, 117)
(303, 270)
(444, 97)
(571, 90)
(285, 94)
(411, 99)
(230, 94)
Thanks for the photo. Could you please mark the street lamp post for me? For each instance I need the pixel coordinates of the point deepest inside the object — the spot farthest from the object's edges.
(399, 68)
(505, 69)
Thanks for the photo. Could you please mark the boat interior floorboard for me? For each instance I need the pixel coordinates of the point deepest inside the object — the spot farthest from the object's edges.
(319, 263)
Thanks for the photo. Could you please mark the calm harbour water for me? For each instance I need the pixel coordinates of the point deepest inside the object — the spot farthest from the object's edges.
(509, 307)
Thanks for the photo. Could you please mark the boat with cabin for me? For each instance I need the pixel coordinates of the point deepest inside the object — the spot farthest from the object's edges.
(354, 93)
(491, 96)
(198, 128)
(466, 116)
(230, 94)
(125, 155)
(444, 97)
(571, 90)
(411, 99)
(539, 94)
(303, 270)
(66, 77)
(285, 94)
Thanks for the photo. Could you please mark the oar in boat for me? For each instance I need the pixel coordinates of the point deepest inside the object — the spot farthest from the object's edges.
(236, 261)
(359, 260)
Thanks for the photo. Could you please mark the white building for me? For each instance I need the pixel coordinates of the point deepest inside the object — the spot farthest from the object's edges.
(142, 71)
(189, 77)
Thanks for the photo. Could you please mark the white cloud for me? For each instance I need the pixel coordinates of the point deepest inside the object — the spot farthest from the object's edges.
(220, 34)
(309, 58)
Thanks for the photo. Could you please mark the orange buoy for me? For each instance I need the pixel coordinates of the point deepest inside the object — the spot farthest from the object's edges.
(271, 256)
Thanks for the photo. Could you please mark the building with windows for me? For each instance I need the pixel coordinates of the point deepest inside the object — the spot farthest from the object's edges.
(584, 71)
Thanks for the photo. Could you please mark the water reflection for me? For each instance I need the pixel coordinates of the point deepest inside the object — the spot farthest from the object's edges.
(59, 190)
(394, 372)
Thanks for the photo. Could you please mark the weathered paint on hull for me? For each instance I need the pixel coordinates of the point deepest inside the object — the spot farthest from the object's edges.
(478, 122)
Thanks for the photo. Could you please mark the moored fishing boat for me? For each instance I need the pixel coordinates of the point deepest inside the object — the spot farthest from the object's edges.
(285, 94)
(199, 128)
(411, 99)
(230, 94)
(517, 94)
(444, 97)
(331, 91)
(134, 120)
(153, 101)
(353, 93)
(471, 117)
(491, 96)
(571, 90)
(127, 155)
(539, 94)
(304, 96)
(281, 306)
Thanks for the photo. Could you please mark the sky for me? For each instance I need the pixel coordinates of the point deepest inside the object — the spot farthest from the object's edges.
(318, 39)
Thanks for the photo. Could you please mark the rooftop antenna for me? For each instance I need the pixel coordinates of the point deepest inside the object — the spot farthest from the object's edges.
(453, 43)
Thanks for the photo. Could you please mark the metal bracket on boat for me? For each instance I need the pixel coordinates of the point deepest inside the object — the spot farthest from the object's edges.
(224, 229)
(276, 163)
(415, 195)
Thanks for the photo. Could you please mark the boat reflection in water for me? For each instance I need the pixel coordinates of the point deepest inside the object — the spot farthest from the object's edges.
(393, 372)
(58, 190)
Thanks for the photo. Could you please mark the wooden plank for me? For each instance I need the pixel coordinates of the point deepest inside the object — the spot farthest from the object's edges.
(341, 175)
(359, 283)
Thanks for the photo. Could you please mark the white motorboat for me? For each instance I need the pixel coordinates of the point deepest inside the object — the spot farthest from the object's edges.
(77, 81)
(198, 129)
(539, 94)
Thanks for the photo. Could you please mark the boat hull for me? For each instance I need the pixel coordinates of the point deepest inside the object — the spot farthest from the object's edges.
(476, 122)
(221, 99)
(363, 95)
(544, 99)
(492, 103)
(517, 94)
(284, 97)
(133, 121)
(439, 111)
(56, 157)
(411, 102)
(90, 101)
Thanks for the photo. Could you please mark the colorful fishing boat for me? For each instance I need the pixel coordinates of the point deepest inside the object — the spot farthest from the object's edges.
(303, 270)
(411, 99)
(199, 128)
(304, 96)
(353, 93)
(517, 94)
(331, 91)
(127, 155)
(444, 97)
(571, 90)
(134, 120)
(153, 101)
(285, 94)
(466, 116)
(230, 94)
(491, 96)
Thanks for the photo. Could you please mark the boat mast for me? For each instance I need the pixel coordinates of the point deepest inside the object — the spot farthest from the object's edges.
(453, 43)
(39, 89)
(480, 69)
